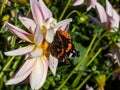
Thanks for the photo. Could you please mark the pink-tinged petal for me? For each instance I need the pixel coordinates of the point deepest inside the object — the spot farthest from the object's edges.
(46, 11)
(53, 63)
(39, 73)
(109, 9)
(78, 2)
(20, 51)
(115, 20)
(27, 66)
(115, 49)
(40, 11)
(27, 56)
(62, 24)
(38, 36)
(64, 28)
(37, 12)
(94, 20)
(51, 22)
(116, 75)
(89, 87)
(37, 52)
(19, 32)
(91, 4)
(28, 23)
(19, 79)
(113, 16)
(50, 35)
(118, 45)
(109, 55)
(101, 12)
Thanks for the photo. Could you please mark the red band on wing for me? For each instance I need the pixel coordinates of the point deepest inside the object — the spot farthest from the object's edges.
(61, 53)
(66, 35)
(69, 47)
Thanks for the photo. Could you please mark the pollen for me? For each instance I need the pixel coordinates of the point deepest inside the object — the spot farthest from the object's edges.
(43, 30)
(45, 47)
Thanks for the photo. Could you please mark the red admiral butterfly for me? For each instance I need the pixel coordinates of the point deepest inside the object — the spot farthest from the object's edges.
(62, 47)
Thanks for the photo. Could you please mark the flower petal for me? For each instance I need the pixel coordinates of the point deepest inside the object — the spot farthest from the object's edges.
(26, 67)
(38, 36)
(50, 23)
(19, 79)
(90, 4)
(27, 56)
(36, 12)
(39, 73)
(115, 20)
(113, 16)
(28, 23)
(78, 2)
(62, 24)
(46, 12)
(53, 63)
(19, 32)
(50, 35)
(89, 87)
(20, 51)
(36, 53)
(101, 12)
(94, 20)
(40, 11)
(115, 49)
(64, 28)
(109, 9)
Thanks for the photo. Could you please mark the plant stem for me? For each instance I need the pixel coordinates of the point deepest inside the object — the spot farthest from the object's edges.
(89, 48)
(28, 12)
(16, 18)
(78, 65)
(75, 11)
(14, 66)
(2, 6)
(6, 66)
(80, 75)
(116, 70)
(77, 79)
(85, 80)
(61, 16)
(96, 43)
(73, 30)
(94, 57)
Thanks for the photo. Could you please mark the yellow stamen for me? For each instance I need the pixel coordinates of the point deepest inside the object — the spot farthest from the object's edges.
(45, 47)
(43, 30)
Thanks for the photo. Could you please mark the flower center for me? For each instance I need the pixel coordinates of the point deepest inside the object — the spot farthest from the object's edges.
(50, 23)
(45, 47)
(43, 30)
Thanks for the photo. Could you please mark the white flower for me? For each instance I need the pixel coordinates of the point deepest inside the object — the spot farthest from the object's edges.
(108, 17)
(90, 3)
(42, 30)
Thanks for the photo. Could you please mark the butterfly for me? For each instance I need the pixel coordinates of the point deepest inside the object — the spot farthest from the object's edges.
(62, 47)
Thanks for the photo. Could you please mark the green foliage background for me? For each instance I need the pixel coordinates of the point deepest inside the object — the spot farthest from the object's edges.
(96, 73)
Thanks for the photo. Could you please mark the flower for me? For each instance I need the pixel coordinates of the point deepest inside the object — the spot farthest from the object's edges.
(108, 17)
(42, 30)
(89, 87)
(90, 3)
(101, 80)
(115, 50)
(78, 2)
